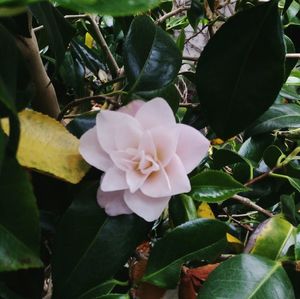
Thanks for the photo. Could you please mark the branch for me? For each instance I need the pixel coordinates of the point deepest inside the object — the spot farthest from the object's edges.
(80, 101)
(171, 14)
(288, 55)
(45, 99)
(249, 203)
(112, 64)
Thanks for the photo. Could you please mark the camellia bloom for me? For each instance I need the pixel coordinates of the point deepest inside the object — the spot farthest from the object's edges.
(145, 156)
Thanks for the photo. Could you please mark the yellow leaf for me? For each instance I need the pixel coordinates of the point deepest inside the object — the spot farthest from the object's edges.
(204, 211)
(89, 40)
(232, 239)
(46, 146)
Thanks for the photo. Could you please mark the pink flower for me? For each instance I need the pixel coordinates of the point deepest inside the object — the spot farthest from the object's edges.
(145, 156)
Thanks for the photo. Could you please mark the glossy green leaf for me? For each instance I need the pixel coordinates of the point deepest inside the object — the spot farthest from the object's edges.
(111, 7)
(115, 296)
(272, 238)
(277, 117)
(151, 58)
(196, 12)
(201, 239)
(231, 76)
(288, 208)
(297, 244)
(248, 277)
(214, 186)
(290, 63)
(182, 209)
(82, 123)
(91, 247)
(272, 156)
(254, 147)
(88, 56)
(59, 30)
(170, 93)
(19, 220)
(242, 168)
(101, 290)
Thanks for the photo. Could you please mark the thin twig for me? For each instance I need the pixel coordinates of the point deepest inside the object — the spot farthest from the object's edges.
(171, 14)
(66, 17)
(261, 177)
(112, 64)
(249, 203)
(78, 102)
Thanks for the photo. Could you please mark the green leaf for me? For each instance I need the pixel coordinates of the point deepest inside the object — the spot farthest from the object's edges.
(195, 13)
(182, 209)
(290, 63)
(170, 93)
(19, 220)
(151, 58)
(201, 239)
(248, 277)
(115, 296)
(100, 290)
(59, 31)
(254, 147)
(272, 155)
(297, 244)
(233, 80)
(242, 168)
(112, 7)
(272, 238)
(288, 208)
(214, 186)
(104, 247)
(276, 117)
(82, 123)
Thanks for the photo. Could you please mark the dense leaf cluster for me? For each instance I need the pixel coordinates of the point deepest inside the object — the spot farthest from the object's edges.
(70, 60)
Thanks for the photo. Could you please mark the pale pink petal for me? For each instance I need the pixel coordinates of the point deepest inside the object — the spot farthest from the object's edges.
(165, 142)
(114, 179)
(92, 152)
(113, 202)
(192, 147)
(179, 181)
(132, 108)
(146, 207)
(157, 184)
(147, 145)
(155, 113)
(135, 180)
(117, 131)
(124, 160)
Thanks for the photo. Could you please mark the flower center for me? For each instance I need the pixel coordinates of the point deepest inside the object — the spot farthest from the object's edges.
(147, 164)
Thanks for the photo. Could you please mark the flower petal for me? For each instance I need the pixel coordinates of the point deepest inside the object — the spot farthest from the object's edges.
(155, 113)
(117, 131)
(135, 180)
(165, 142)
(92, 152)
(157, 184)
(192, 147)
(179, 181)
(114, 179)
(146, 207)
(113, 202)
(132, 108)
